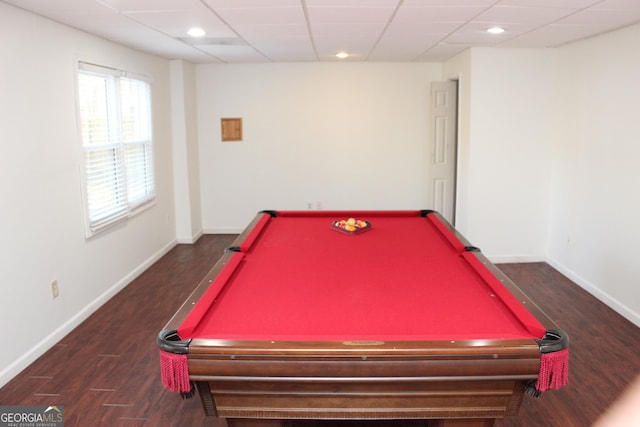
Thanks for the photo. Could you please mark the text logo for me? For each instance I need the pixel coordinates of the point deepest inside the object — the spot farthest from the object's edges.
(31, 416)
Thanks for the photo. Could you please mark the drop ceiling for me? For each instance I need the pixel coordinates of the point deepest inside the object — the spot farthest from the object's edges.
(246, 31)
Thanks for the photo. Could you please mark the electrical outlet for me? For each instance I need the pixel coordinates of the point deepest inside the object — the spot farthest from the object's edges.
(55, 291)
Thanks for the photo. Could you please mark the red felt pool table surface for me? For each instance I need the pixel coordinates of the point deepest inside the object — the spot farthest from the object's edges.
(407, 278)
(405, 320)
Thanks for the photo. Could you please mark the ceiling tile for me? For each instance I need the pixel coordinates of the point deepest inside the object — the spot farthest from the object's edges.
(366, 4)
(475, 34)
(251, 4)
(149, 6)
(349, 15)
(617, 5)
(293, 50)
(268, 15)
(177, 23)
(60, 8)
(441, 52)
(390, 50)
(234, 53)
(554, 35)
(332, 44)
(523, 14)
(424, 14)
(263, 33)
(448, 3)
(610, 17)
(564, 4)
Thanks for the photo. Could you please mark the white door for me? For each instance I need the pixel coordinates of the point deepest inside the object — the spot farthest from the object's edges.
(443, 148)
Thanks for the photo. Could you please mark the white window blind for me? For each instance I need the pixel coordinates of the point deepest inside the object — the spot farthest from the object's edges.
(115, 123)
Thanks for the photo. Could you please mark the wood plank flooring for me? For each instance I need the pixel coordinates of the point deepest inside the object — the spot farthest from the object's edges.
(106, 371)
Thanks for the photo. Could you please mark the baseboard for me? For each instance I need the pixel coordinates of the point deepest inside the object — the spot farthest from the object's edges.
(189, 240)
(607, 299)
(510, 259)
(8, 373)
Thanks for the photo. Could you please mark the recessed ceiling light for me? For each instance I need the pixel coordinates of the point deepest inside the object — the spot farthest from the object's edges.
(495, 30)
(196, 32)
(342, 55)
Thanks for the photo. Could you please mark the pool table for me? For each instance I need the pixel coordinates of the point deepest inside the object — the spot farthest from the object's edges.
(359, 315)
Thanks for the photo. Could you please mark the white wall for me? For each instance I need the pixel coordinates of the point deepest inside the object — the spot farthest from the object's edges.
(549, 149)
(41, 215)
(595, 200)
(186, 171)
(347, 135)
(507, 100)
(512, 104)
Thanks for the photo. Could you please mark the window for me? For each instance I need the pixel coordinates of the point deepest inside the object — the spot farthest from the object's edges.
(115, 125)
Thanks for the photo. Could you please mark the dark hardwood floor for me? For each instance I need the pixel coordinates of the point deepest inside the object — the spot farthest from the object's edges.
(106, 371)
